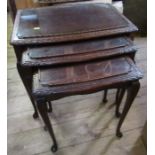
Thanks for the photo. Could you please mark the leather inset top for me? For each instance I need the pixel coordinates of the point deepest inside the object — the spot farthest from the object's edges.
(89, 78)
(84, 72)
(66, 20)
(77, 51)
(76, 48)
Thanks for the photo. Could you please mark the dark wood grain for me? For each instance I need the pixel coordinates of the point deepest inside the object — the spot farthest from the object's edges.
(84, 72)
(78, 47)
(67, 24)
(75, 49)
(68, 20)
(78, 82)
(88, 86)
(78, 52)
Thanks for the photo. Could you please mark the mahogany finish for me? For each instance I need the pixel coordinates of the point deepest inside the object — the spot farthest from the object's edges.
(44, 80)
(47, 86)
(70, 22)
(72, 49)
(78, 52)
(79, 47)
(84, 72)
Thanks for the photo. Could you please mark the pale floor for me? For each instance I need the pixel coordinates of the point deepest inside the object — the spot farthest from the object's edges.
(82, 124)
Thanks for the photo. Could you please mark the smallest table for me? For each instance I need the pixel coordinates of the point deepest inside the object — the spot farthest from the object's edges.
(51, 83)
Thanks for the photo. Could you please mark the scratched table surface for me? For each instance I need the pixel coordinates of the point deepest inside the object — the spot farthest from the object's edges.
(83, 124)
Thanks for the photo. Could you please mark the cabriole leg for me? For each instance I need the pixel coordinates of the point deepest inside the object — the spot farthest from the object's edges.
(28, 84)
(118, 101)
(117, 95)
(41, 104)
(105, 96)
(49, 109)
(132, 91)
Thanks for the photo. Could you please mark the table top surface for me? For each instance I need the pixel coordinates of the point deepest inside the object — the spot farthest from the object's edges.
(85, 78)
(84, 72)
(77, 52)
(69, 22)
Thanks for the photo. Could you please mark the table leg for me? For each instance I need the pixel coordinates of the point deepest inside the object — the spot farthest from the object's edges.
(132, 91)
(28, 85)
(119, 97)
(49, 106)
(41, 104)
(105, 96)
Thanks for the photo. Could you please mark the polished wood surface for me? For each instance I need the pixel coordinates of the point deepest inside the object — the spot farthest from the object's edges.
(67, 20)
(78, 52)
(54, 85)
(21, 45)
(77, 120)
(32, 28)
(86, 87)
(78, 47)
(67, 24)
(85, 72)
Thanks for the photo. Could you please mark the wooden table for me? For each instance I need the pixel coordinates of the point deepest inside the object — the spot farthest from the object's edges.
(71, 34)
